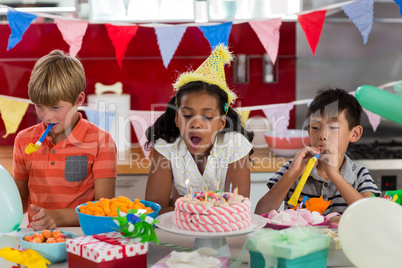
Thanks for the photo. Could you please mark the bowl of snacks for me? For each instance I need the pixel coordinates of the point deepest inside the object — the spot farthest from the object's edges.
(279, 220)
(96, 217)
(50, 244)
(287, 144)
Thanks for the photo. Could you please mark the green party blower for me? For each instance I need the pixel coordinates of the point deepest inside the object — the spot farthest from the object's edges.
(31, 148)
(296, 194)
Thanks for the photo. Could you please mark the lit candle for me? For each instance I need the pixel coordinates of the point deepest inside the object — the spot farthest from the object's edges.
(234, 191)
(217, 186)
(230, 187)
(191, 193)
(187, 181)
(206, 195)
(237, 191)
(221, 198)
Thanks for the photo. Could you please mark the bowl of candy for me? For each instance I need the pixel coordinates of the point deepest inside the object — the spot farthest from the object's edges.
(96, 217)
(279, 220)
(287, 144)
(50, 244)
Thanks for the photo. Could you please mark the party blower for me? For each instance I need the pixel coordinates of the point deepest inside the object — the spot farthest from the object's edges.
(296, 194)
(31, 148)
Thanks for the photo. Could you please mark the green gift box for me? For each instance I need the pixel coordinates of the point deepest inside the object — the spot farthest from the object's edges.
(297, 247)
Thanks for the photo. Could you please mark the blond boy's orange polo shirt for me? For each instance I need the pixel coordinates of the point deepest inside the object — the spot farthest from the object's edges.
(63, 175)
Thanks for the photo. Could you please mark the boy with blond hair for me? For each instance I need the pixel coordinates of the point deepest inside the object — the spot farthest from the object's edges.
(76, 162)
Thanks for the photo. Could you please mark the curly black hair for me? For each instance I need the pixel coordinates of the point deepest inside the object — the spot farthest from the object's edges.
(166, 129)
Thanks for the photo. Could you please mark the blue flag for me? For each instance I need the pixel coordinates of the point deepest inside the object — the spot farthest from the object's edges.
(102, 119)
(169, 38)
(217, 34)
(19, 22)
(361, 14)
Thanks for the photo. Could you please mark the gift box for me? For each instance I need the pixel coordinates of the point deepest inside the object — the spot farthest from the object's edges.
(298, 247)
(105, 251)
(192, 259)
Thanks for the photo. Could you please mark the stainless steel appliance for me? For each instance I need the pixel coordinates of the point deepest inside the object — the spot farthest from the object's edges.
(381, 153)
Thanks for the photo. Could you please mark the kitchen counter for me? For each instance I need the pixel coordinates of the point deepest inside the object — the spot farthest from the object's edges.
(133, 161)
(155, 251)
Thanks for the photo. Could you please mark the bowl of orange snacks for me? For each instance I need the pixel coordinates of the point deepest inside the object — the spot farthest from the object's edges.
(50, 244)
(95, 216)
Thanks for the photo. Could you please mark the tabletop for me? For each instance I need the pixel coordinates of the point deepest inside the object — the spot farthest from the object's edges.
(168, 243)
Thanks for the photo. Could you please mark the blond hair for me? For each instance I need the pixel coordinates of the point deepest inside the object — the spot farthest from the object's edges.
(56, 77)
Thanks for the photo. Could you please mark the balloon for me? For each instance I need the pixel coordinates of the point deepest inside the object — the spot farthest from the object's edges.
(380, 102)
(370, 233)
(10, 203)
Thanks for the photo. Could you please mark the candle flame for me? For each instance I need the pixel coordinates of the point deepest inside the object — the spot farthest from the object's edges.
(187, 181)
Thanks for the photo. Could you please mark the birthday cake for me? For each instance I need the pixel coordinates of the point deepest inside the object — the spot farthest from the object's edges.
(212, 212)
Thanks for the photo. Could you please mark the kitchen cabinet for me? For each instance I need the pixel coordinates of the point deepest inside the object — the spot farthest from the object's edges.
(132, 186)
(259, 188)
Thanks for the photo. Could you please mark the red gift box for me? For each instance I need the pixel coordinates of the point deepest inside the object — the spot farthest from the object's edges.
(106, 250)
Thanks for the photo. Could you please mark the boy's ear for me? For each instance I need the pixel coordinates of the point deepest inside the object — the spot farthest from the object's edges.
(356, 133)
(80, 99)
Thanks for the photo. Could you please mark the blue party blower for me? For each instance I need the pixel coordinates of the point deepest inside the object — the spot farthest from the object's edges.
(31, 148)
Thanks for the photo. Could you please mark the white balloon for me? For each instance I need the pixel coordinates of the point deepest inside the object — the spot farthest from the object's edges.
(370, 233)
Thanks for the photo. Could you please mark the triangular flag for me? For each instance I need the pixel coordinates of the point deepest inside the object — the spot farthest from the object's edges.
(120, 37)
(12, 113)
(399, 3)
(217, 34)
(361, 14)
(14, 76)
(244, 114)
(268, 33)
(19, 22)
(398, 89)
(373, 118)
(102, 119)
(312, 26)
(72, 31)
(169, 38)
(278, 116)
(141, 121)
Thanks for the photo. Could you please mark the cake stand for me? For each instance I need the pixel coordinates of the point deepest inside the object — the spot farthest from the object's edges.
(216, 240)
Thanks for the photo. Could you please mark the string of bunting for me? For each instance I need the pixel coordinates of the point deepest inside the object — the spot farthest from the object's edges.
(13, 109)
(169, 36)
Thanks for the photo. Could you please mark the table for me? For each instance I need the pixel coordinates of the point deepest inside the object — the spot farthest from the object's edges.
(155, 251)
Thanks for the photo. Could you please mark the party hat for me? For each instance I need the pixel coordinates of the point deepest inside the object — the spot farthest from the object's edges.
(211, 71)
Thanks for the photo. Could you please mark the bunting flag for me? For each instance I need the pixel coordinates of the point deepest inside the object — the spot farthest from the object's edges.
(102, 119)
(268, 33)
(73, 32)
(399, 3)
(312, 24)
(373, 118)
(14, 75)
(19, 22)
(398, 89)
(12, 113)
(120, 37)
(244, 114)
(169, 38)
(141, 121)
(361, 14)
(217, 34)
(278, 116)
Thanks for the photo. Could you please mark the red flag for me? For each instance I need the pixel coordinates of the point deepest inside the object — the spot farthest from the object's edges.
(120, 37)
(312, 26)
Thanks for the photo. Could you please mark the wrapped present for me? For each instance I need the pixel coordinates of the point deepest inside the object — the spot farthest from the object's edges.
(298, 247)
(106, 250)
(201, 258)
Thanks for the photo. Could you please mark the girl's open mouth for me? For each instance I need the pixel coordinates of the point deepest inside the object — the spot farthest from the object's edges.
(195, 141)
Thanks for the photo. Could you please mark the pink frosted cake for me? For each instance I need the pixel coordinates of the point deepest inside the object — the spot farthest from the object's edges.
(213, 215)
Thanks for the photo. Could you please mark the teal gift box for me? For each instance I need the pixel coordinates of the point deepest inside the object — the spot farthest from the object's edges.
(297, 247)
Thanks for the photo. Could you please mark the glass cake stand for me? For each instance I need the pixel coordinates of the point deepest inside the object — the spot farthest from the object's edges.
(216, 240)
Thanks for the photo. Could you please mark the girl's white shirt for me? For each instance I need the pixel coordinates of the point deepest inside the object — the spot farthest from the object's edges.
(228, 148)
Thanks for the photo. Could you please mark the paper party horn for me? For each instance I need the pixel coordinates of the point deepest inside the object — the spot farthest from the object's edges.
(31, 148)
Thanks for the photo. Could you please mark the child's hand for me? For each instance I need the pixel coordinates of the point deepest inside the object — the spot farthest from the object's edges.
(42, 219)
(300, 161)
(330, 159)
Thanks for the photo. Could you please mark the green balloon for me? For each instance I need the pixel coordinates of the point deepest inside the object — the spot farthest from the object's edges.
(380, 102)
(10, 203)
